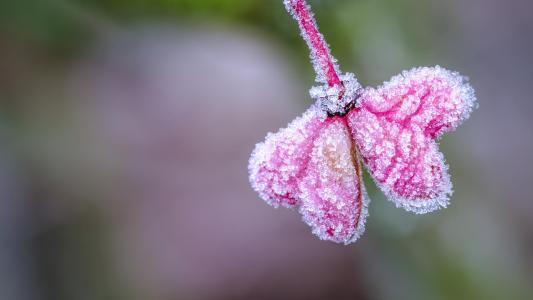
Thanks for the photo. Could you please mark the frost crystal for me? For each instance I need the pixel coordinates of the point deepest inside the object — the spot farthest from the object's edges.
(314, 165)
(334, 202)
(396, 129)
(336, 100)
(278, 164)
(325, 65)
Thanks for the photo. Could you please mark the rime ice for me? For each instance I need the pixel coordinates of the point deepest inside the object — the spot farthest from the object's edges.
(334, 100)
(396, 129)
(314, 164)
(333, 201)
(277, 165)
(325, 65)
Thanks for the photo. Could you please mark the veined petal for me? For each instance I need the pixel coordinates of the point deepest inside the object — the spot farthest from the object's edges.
(396, 127)
(277, 164)
(334, 202)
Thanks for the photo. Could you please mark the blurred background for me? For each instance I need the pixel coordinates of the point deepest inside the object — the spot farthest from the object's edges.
(126, 126)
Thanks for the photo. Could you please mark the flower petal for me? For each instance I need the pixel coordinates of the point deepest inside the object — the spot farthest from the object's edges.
(277, 164)
(396, 127)
(334, 202)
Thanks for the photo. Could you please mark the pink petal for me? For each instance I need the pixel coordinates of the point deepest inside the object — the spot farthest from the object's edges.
(396, 127)
(334, 202)
(277, 164)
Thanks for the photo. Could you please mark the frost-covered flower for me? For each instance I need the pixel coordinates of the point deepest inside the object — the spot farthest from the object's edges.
(314, 164)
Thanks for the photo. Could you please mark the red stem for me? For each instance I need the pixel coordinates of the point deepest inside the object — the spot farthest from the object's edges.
(323, 61)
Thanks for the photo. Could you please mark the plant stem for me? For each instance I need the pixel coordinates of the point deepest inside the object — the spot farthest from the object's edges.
(323, 62)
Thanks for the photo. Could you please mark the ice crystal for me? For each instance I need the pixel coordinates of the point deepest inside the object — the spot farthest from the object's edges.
(333, 200)
(325, 65)
(277, 165)
(314, 163)
(396, 129)
(337, 100)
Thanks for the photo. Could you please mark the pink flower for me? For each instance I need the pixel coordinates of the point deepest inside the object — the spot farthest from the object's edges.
(314, 163)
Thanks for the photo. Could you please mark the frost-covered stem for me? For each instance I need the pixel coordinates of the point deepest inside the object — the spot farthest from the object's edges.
(323, 62)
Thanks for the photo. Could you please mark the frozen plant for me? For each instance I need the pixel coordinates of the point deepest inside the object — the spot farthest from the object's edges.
(314, 164)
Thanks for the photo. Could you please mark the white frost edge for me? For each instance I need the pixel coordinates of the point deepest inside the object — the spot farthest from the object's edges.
(361, 225)
(262, 150)
(467, 92)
